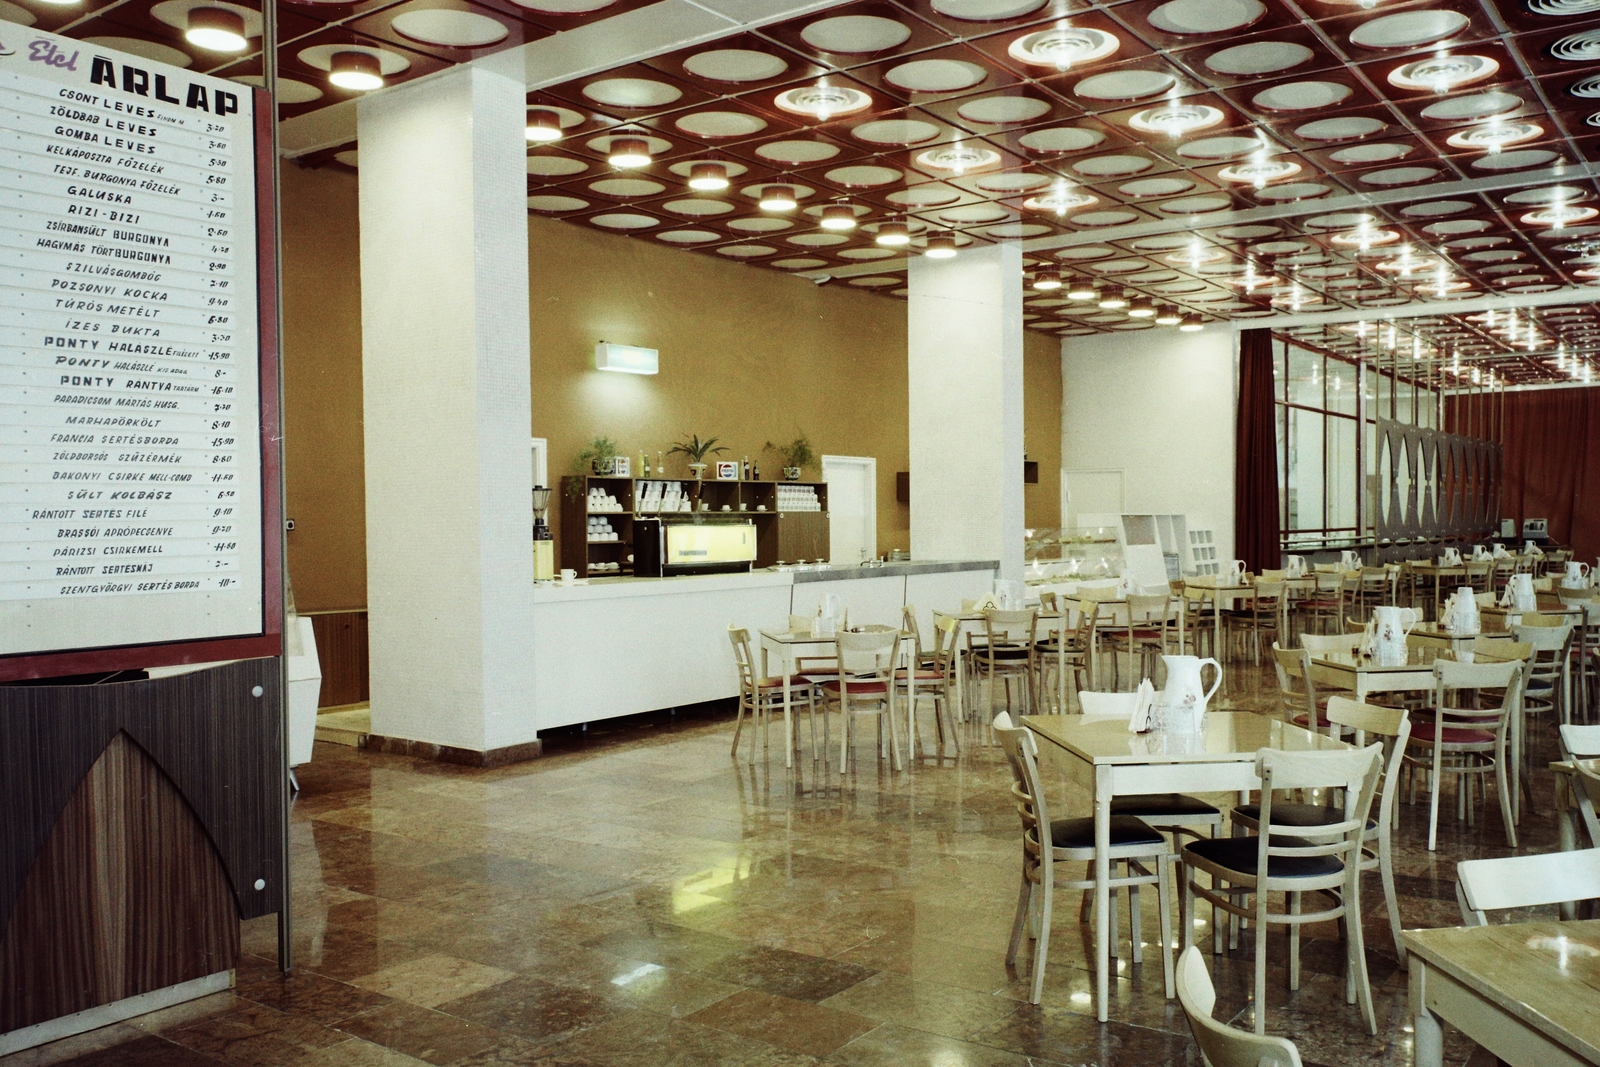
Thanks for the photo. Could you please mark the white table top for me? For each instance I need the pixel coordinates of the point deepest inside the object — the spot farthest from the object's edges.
(1229, 737)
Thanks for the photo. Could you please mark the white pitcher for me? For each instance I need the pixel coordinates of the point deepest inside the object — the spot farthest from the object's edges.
(1233, 574)
(1350, 560)
(1296, 567)
(1185, 697)
(1461, 613)
(1451, 557)
(1519, 593)
(1479, 553)
(1391, 625)
(1577, 576)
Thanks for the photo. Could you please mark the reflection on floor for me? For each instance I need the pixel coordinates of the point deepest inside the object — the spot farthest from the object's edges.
(638, 898)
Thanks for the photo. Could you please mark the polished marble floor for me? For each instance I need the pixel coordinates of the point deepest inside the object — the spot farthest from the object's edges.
(638, 899)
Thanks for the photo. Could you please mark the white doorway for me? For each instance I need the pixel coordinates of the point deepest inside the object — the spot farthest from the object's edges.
(852, 508)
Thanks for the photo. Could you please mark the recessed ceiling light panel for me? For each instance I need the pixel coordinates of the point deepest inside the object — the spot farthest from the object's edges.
(823, 101)
(1175, 120)
(1442, 73)
(1063, 47)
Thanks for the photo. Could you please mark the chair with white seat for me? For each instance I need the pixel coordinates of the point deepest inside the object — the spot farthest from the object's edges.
(1392, 727)
(1476, 739)
(865, 683)
(1525, 882)
(1136, 845)
(1220, 1045)
(759, 697)
(1278, 861)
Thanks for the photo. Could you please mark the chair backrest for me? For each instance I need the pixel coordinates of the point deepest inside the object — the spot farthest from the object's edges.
(1017, 629)
(1450, 676)
(1319, 643)
(1580, 742)
(1119, 704)
(945, 651)
(1047, 600)
(1494, 649)
(742, 657)
(1525, 882)
(1485, 600)
(1268, 574)
(1355, 770)
(1393, 725)
(1416, 640)
(799, 624)
(1223, 1046)
(865, 656)
(908, 623)
(1088, 618)
(1539, 619)
(1022, 755)
(1549, 648)
(1148, 610)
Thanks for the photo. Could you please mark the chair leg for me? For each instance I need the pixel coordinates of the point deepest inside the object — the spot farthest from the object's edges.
(1164, 904)
(1135, 922)
(1433, 801)
(1505, 796)
(1386, 872)
(894, 739)
(1185, 908)
(1294, 942)
(1261, 961)
(1041, 947)
(1020, 924)
(1357, 946)
(738, 725)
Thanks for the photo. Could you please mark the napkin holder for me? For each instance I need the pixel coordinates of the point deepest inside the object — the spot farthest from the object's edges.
(1142, 721)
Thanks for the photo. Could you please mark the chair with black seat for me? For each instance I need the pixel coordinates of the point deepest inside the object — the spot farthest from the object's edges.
(1221, 1045)
(1006, 652)
(1392, 728)
(1065, 649)
(1277, 861)
(1474, 739)
(1139, 847)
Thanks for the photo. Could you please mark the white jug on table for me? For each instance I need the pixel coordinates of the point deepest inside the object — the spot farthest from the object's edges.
(1451, 557)
(1295, 567)
(1519, 595)
(1460, 616)
(1185, 697)
(1233, 573)
(1350, 559)
(1390, 627)
(1479, 553)
(1577, 576)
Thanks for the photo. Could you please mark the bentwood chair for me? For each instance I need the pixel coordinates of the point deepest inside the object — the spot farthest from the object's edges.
(1006, 652)
(1297, 693)
(865, 683)
(759, 697)
(1547, 686)
(933, 677)
(1220, 1045)
(1474, 739)
(1525, 882)
(1392, 728)
(1139, 847)
(1066, 650)
(1277, 860)
(1143, 639)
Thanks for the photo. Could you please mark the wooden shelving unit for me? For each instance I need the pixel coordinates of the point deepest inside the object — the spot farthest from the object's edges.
(780, 535)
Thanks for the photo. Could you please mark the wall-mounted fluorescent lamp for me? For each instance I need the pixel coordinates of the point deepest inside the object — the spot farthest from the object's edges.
(628, 359)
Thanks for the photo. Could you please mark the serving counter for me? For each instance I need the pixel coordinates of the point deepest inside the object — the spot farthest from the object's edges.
(621, 646)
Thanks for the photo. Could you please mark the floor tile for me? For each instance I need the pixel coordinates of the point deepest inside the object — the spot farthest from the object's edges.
(427, 1035)
(432, 980)
(792, 1024)
(788, 974)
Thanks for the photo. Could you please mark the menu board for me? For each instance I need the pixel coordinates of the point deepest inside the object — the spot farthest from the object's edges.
(130, 397)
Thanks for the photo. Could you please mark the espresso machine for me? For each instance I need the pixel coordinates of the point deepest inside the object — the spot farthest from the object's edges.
(544, 547)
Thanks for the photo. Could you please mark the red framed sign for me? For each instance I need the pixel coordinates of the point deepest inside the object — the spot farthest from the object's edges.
(140, 511)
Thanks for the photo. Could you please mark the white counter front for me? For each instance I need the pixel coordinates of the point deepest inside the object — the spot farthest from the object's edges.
(622, 646)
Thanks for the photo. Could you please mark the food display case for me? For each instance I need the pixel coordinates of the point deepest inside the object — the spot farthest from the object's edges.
(1067, 555)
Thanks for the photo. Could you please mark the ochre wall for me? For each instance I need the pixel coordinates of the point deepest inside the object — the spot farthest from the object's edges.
(747, 355)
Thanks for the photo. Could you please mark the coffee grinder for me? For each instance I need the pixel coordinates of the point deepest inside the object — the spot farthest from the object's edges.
(544, 548)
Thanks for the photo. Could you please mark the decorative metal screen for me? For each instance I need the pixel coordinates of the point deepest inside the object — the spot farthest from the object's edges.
(1433, 484)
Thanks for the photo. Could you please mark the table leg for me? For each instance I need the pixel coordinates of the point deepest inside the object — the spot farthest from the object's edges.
(788, 704)
(1102, 889)
(1428, 1039)
(1216, 628)
(1183, 623)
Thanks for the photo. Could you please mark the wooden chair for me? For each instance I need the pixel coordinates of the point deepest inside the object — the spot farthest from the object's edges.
(1047, 600)
(759, 696)
(1277, 861)
(1325, 607)
(1223, 1046)
(1480, 576)
(1525, 882)
(1006, 652)
(1317, 644)
(1392, 728)
(1258, 614)
(1066, 650)
(865, 683)
(1144, 638)
(930, 675)
(1494, 650)
(1139, 847)
(1475, 738)
(1199, 601)
(1546, 688)
(1297, 693)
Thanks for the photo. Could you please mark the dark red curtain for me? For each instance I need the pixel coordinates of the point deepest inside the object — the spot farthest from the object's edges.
(1255, 457)
(1551, 439)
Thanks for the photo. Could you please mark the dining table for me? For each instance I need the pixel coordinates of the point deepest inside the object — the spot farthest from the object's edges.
(1365, 675)
(1524, 992)
(1459, 643)
(1438, 573)
(1107, 759)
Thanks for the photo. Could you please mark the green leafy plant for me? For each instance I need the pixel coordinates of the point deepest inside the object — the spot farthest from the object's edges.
(697, 450)
(599, 452)
(796, 453)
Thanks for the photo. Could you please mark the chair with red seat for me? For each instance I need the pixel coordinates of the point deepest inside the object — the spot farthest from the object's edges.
(759, 696)
(866, 684)
(1143, 638)
(1473, 739)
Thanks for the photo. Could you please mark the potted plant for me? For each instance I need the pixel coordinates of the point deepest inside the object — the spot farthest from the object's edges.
(600, 457)
(696, 452)
(795, 455)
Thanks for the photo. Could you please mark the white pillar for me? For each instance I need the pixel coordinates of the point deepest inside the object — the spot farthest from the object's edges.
(444, 320)
(964, 338)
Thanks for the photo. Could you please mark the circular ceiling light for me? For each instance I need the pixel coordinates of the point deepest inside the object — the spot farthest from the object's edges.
(778, 198)
(1259, 171)
(1081, 288)
(1113, 298)
(543, 124)
(1061, 139)
(708, 177)
(1175, 120)
(216, 29)
(1472, 107)
(735, 65)
(1442, 73)
(1558, 215)
(823, 101)
(451, 29)
(958, 158)
(1168, 315)
(1059, 201)
(1258, 57)
(855, 34)
(1141, 307)
(1191, 323)
(1585, 89)
(1580, 47)
(1125, 85)
(1047, 280)
(893, 234)
(935, 75)
(941, 245)
(1063, 46)
(1302, 96)
(629, 153)
(631, 93)
(1365, 239)
(357, 71)
(838, 217)
(1186, 17)
(720, 124)
(1493, 136)
(1410, 29)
